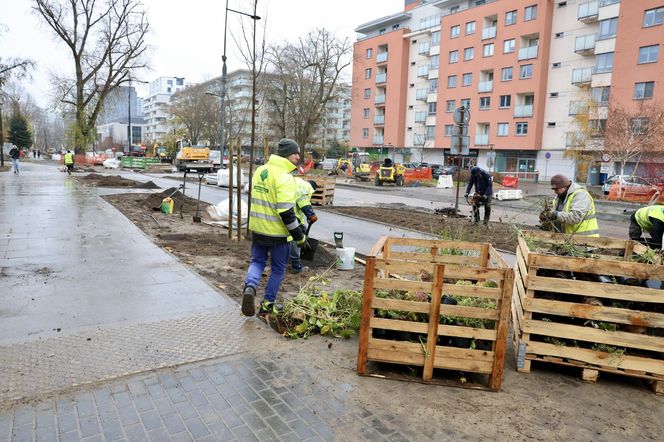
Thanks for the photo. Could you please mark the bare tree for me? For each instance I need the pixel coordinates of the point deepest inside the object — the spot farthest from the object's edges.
(13, 67)
(304, 81)
(107, 43)
(196, 111)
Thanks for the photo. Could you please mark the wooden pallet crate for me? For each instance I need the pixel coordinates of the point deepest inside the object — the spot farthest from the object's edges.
(406, 321)
(614, 327)
(324, 194)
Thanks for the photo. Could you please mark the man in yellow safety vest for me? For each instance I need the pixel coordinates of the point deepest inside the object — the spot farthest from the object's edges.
(69, 161)
(305, 213)
(573, 208)
(273, 224)
(648, 219)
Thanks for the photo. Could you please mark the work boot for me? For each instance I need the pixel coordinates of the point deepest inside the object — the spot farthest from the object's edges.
(248, 295)
(268, 308)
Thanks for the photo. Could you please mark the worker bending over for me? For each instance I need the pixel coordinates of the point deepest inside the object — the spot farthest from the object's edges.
(651, 220)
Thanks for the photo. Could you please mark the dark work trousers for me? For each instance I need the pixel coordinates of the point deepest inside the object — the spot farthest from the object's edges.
(487, 210)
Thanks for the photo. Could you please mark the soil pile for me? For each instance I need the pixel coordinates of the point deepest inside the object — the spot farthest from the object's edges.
(153, 202)
(97, 180)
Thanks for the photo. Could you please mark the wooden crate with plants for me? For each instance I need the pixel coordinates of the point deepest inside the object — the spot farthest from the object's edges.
(593, 303)
(436, 307)
(324, 193)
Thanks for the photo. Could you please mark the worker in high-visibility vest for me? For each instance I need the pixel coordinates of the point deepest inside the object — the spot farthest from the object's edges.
(648, 219)
(273, 224)
(305, 214)
(573, 208)
(69, 161)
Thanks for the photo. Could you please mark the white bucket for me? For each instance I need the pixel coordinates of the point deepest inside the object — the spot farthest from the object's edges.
(346, 258)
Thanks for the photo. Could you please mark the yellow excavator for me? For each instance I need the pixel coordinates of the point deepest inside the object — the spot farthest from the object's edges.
(357, 165)
(192, 158)
(390, 173)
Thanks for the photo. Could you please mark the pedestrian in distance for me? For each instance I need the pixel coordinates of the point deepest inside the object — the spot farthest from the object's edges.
(273, 225)
(15, 154)
(649, 219)
(573, 208)
(69, 161)
(483, 183)
(39, 154)
(305, 214)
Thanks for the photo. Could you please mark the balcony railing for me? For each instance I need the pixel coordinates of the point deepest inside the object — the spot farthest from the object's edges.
(488, 33)
(378, 139)
(381, 78)
(585, 44)
(421, 94)
(423, 71)
(381, 57)
(481, 139)
(577, 107)
(525, 110)
(379, 99)
(588, 12)
(485, 86)
(528, 52)
(379, 119)
(582, 76)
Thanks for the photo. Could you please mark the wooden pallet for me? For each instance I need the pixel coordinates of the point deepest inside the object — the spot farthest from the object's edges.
(593, 325)
(324, 194)
(415, 336)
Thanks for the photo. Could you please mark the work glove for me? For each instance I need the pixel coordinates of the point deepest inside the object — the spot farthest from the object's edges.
(303, 244)
(545, 216)
(554, 215)
(312, 219)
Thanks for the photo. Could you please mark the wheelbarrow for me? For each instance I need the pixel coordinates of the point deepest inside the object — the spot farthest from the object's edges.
(308, 255)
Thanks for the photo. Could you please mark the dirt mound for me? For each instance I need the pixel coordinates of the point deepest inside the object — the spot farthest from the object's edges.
(95, 179)
(188, 204)
(159, 168)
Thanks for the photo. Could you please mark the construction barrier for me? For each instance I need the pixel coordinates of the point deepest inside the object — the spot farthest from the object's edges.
(417, 174)
(138, 162)
(511, 181)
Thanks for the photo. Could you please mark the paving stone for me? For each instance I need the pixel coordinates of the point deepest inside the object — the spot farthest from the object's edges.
(143, 404)
(128, 415)
(220, 431)
(137, 388)
(151, 420)
(89, 426)
(196, 427)
(45, 435)
(72, 436)
(135, 433)
(218, 403)
(22, 433)
(196, 397)
(157, 435)
(243, 433)
(301, 428)
(324, 431)
(279, 426)
(164, 406)
(176, 394)
(174, 424)
(95, 438)
(24, 415)
(253, 420)
(156, 391)
(231, 419)
(262, 408)
(185, 410)
(267, 435)
(112, 430)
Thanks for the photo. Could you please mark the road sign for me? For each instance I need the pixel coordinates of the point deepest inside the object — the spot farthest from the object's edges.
(460, 145)
(606, 157)
(461, 115)
(547, 155)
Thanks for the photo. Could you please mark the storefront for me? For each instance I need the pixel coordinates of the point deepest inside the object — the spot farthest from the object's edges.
(467, 161)
(517, 162)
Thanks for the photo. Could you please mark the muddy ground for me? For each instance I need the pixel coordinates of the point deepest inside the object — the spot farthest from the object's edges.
(97, 180)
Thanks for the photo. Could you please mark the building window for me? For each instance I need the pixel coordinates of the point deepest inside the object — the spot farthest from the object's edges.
(367, 73)
(435, 61)
(365, 132)
(530, 13)
(465, 102)
(601, 95)
(485, 102)
(452, 81)
(369, 52)
(470, 28)
(431, 132)
(488, 49)
(367, 93)
(644, 90)
(450, 105)
(526, 71)
(604, 62)
(467, 79)
(455, 31)
(505, 101)
(449, 130)
(503, 129)
(435, 38)
(433, 107)
(648, 54)
(521, 129)
(639, 126)
(433, 85)
(608, 28)
(468, 54)
(653, 17)
(366, 112)
(420, 117)
(424, 48)
(510, 18)
(454, 56)
(509, 46)
(506, 74)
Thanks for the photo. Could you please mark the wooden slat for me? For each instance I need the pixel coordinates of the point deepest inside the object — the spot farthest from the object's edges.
(439, 243)
(473, 291)
(434, 314)
(367, 313)
(403, 284)
(400, 305)
(499, 347)
(382, 350)
(497, 259)
(589, 334)
(442, 259)
(598, 267)
(402, 267)
(625, 362)
(377, 249)
(521, 263)
(596, 313)
(399, 325)
(596, 289)
(467, 332)
(469, 312)
(456, 272)
(604, 242)
(476, 361)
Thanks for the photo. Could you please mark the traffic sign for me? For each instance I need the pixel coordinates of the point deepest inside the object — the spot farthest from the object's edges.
(547, 155)
(461, 115)
(606, 157)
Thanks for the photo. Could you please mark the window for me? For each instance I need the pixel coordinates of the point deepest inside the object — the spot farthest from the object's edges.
(521, 129)
(485, 102)
(639, 126)
(506, 74)
(369, 52)
(435, 61)
(433, 107)
(367, 93)
(367, 73)
(431, 132)
(452, 81)
(469, 53)
(455, 31)
(643, 91)
(505, 101)
(648, 54)
(601, 95)
(598, 127)
(395, 27)
(467, 79)
(470, 28)
(530, 13)
(450, 105)
(366, 112)
(420, 117)
(465, 102)
(604, 62)
(508, 46)
(526, 71)
(488, 49)
(433, 85)
(365, 132)
(449, 130)
(608, 2)
(653, 17)
(381, 31)
(454, 56)
(510, 18)
(608, 28)
(424, 48)
(435, 38)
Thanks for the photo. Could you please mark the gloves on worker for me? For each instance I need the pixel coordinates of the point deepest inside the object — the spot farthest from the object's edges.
(554, 215)
(303, 244)
(312, 219)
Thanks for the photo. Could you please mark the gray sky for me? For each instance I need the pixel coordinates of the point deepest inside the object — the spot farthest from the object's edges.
(186, 36)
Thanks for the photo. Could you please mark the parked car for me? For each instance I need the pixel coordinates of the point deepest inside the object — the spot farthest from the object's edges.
(436, 170)
(627, 181)
(330, 163)
(111, 163)
(448, 170)
(220, 178)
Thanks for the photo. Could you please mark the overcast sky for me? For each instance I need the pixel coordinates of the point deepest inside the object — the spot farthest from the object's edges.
(186, 36)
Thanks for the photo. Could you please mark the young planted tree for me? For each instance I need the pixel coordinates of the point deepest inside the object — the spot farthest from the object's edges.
(106, 39)
(19, 132)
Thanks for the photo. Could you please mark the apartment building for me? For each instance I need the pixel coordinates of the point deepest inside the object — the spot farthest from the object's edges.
(523, 68)
(113, 120)
(335, 123)
(155, 106)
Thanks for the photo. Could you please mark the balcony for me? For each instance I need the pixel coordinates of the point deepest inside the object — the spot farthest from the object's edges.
(379, 120)
(525, 110)
(485, 86)
(381, 78)
(379, 99)
(381, 57)
(378, 139)
(528, 52)
(576, 108)
(421, 94)
(423, 71)
(582, 76)
(481, 139)
(488, 33)
(585, 45)
(588, 12)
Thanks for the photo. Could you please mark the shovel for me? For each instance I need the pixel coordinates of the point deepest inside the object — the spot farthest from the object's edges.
(308, 255)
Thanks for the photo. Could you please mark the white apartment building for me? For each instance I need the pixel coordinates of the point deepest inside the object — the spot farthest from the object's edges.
(155, 106)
